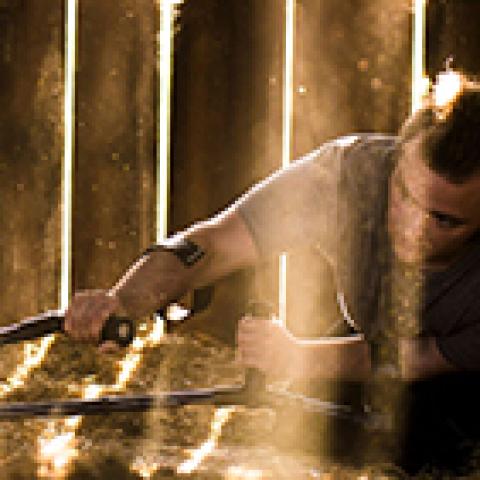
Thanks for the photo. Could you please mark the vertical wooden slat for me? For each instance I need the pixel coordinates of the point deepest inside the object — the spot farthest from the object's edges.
(31, 98)
(114, 204)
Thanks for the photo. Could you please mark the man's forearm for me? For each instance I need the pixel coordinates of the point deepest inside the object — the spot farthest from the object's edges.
(337, 358)
(160, 277)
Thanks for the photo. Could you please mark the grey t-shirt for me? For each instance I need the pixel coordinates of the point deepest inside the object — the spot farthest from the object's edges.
(336, 198)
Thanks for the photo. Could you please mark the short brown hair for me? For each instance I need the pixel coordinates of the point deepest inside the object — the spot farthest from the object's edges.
(451, 142)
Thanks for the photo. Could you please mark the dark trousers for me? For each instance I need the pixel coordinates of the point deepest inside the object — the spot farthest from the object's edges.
(440, 424)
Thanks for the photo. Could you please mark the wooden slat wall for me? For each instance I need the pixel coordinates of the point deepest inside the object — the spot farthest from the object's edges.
(352, 58)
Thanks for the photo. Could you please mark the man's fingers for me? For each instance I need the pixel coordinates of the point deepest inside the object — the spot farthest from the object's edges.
(259, 345)
(98, 314)
(87, 313)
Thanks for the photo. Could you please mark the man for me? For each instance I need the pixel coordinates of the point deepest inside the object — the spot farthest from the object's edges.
(398, 219)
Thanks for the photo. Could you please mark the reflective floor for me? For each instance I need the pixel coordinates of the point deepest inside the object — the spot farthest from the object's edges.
(197, 441)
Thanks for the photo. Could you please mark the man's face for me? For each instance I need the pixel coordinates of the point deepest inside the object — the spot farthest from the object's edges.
(430, 219)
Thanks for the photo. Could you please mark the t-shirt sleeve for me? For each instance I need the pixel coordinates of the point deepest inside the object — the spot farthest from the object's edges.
(462, 349)
(298, 205)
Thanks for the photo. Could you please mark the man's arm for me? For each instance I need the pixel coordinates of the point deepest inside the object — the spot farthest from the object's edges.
(273, 349)
(159, 277)
(294, 206)
(348, 358)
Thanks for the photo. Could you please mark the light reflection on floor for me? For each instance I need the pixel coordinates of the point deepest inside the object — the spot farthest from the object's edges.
(161, 444)
(34, 354)
(57, 445)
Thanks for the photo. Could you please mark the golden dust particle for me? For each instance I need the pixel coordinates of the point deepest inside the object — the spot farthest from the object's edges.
(126, 167)
(376, 83)
(302, 89)
(272, 81)
(382, 58)
(20, 187)
(338, 33)
(112, 244)
(115, 156)
(362, 64)
(98, 242)
(94, 187)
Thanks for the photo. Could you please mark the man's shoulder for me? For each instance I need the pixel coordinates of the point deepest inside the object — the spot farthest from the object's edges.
(365, 148)
(368, 138)
(366, 143)
(366, 157)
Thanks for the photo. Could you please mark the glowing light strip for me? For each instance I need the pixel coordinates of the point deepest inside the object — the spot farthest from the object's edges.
(34, 353)
(197, 456)
(286, 138)
(57, 445)
(69, 146)
(419, 82)
(146, 469)
(288, 82)
(165, 48)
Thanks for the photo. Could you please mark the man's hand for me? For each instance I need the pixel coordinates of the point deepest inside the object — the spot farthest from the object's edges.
(87, 314)
(268, 346)
(147, 285)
